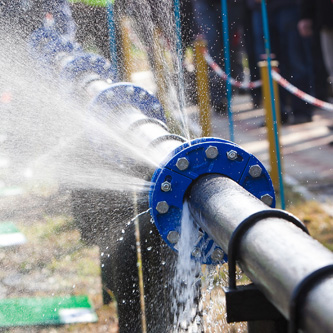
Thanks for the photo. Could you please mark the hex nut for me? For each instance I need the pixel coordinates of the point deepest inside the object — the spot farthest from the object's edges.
(196, 253)
(211, 152)
(156, 107)
(166, 186)
(142, 95)
(182, 163)
(162, 207)
(173, 237)
(255, 171)
(217, 255)
(130, 90)
(232, 155)
(267, 199)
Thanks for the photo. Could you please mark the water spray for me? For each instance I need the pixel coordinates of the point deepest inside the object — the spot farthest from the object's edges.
(225, 186)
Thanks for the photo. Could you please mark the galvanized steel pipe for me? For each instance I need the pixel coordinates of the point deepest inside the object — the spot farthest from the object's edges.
(274, 254)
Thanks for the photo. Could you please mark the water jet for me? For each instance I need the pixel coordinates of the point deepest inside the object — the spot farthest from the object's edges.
(223, 185)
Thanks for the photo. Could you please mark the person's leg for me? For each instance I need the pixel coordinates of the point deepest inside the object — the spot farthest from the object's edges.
(252, 56)
(209, 23)
(326, 36)
(294, 55)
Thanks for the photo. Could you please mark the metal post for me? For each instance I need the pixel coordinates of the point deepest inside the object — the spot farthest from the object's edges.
(126, 49)
(112, 36)
(226, 48)
(159, 72)
(202, 81)
(271, 90)
(274, 172)
(274, 254)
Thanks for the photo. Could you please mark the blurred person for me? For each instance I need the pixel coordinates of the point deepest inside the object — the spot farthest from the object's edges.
(292, 52)
(209, 20)
(319, 14)
(250, 47)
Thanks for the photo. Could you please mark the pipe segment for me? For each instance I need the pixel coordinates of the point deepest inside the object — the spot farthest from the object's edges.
(223, 185)
(275, 254)
(179, 171)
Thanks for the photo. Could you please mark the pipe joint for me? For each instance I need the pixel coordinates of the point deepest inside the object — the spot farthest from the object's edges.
(202, 156)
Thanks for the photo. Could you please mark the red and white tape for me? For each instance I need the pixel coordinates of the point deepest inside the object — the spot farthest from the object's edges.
(219, 71)
(301, 94)
(276, 76)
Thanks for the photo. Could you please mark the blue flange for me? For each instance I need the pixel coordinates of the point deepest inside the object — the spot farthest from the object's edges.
(124, 94)
(83, 63)
(187, 163)
(113, 99)
(46, 43)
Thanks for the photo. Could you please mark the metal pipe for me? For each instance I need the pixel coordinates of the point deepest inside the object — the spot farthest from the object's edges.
(274, 254)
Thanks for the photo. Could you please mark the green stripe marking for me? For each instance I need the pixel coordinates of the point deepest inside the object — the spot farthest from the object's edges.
(8, 228)
(10, 235)
(46, 311)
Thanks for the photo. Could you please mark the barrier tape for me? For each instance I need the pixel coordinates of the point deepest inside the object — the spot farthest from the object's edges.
(276, 76)
(219, 71)
(301, 94)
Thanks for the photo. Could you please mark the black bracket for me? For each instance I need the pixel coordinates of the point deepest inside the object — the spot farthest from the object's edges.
(248, 303)
(301, 291)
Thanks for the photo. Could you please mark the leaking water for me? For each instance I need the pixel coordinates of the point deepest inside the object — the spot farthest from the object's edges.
(45, 144)
(186, 283)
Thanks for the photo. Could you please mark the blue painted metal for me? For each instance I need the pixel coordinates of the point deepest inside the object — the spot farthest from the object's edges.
(271, 89)
(83, 63)
(112, 37)
(199, 164)
(113, 99)
(46, 44)
(181, 82)
(226, 48)
(122, 94)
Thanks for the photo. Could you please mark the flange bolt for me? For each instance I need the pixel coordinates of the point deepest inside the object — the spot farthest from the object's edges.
(267, 199)
(217, 255)
(173, 237)
(142, 95)
(196, 253)
(232, 155)
(156, 107)
(182, 163)
(130, 90)
(162, 207)
(255, 171)
(211, 152)
(166, 186)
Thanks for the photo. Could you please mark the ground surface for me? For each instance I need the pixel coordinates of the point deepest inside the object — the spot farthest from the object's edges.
(54, 261)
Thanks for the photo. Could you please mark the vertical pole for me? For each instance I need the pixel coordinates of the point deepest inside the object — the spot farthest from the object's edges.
(202, 81)
(181, 91)
(274, 172)
(126, 49)
(226, 48)
(139, 265)
(271, 90)
(159, 72)
(112, 36)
